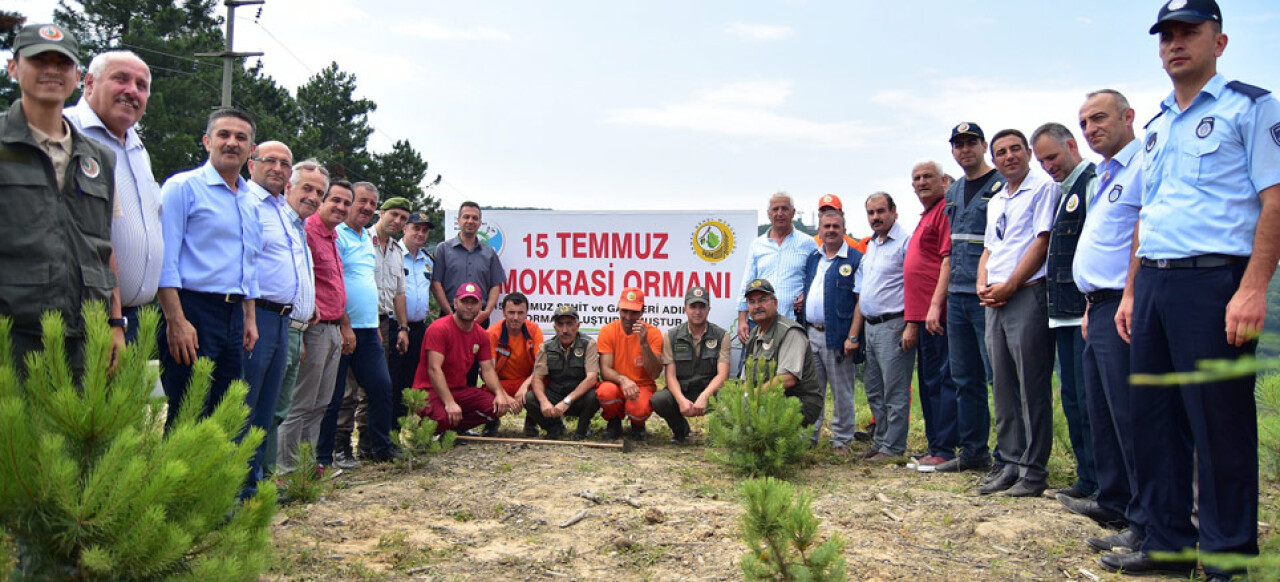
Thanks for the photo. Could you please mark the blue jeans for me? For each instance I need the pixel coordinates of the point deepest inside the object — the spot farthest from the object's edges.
(369, 365)
(971, 372)
(220, 333)
(264, 371)
(937, 395)
(1070, 346)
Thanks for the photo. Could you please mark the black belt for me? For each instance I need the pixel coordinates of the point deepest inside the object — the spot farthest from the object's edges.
(818, 327)
(1103, 295)
(1197, 262)
(330, 321)
(883, 318)
(223, 297)
(273, 307)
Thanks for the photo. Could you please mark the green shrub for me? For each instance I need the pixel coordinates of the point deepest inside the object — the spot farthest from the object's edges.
(755, 428)
(418, 433)
(781, 532)
(93, 488)
(307, 482)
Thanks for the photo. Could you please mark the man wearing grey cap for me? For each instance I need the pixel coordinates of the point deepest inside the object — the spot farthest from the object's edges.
(696, 359)
(782, 341)
(565, 374)
(55, 236)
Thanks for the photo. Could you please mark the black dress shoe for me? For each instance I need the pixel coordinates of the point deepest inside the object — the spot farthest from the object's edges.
(637, 433)
(1090, 509)
(1074, 492)
(993, 473)
(530, 427)
(491, 428)
(1007, 478)
(1025, 488)
(862, 436)
(1140, 563)
(1123, 542)
(556, 431)
(613, 430)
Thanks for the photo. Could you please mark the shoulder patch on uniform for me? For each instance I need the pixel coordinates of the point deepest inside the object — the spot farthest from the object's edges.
(1115, 193)
(1275, 133)
(1250, 91)
(1151, 140)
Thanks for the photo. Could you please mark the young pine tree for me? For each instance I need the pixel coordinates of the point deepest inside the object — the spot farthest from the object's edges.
(93, 488)
(755, 428)
(781, 532)
(418, 433)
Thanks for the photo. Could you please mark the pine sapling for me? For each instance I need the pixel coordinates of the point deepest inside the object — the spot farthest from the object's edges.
(755, 428)
(418, 433)
(781, 533)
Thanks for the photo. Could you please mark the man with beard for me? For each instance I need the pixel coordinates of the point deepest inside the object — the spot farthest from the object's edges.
(322, 341)
(1011, 287)
(564, 378)
(696, 359)
(782, 342)
(117, 87)
(451, 346)
(362, 351)
(304, 193)
(212, 239)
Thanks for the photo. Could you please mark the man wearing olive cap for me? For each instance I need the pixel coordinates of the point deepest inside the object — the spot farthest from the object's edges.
(696, 359)
(565, 374)
(58, 272)
(782, 341)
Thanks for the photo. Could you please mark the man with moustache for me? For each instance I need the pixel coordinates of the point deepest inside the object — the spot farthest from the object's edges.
(1011, 277)
(516, 342)
(695, 358)
(322, 341)
(212, 240)
(926, 274)
(362, 351)
(55, 221)
(782, 342)
(832, 202)
(966, 212)
(1100, 267)
(303, 194)
(451, 346)
(1210, 221)
(826, 312)
(778, 256)
(890, 348)
(1077, 179)
(629, 364)
(564, 378)
(417, 304)
(117, 87)
(283, 266)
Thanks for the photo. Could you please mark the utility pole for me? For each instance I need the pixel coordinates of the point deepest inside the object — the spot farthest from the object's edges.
(229, 56)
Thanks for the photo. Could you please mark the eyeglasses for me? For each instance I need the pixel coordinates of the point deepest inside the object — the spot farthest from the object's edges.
(272, 161)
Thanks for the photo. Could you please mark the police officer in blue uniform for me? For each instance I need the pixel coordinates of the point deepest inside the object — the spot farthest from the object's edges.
(1210, 222)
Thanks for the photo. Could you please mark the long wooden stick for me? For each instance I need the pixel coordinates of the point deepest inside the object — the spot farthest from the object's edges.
(625, 445)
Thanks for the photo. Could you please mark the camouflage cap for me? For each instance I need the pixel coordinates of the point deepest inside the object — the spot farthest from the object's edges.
(564, 310)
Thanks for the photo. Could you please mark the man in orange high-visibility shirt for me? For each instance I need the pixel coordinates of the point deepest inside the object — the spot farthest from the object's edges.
(630, 360)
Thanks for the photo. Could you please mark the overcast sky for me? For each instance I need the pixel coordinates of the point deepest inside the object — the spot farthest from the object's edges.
(691, 104)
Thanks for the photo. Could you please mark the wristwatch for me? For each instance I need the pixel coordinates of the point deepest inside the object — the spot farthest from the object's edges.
(568, 400)
(121, 322)
(853, 339)
(404, 328)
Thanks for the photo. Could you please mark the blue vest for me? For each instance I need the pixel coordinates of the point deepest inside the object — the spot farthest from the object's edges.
(968, 227)
(1065, 300)
(838, 299)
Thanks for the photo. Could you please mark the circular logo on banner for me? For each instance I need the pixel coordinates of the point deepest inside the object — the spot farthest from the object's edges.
(50, 33)
(1115, 193)
(1073, 203)
(846, 270)
(712, 241)
(90, 167)
(491, 234)
(1205, 128)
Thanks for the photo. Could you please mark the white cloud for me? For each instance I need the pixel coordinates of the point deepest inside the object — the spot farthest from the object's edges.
(759, 32)
(430, 30)
(744, 110)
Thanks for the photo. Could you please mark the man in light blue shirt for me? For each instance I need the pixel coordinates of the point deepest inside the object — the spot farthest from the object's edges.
(209, 279)
(1100, 268)
(777, 256)
(1208, 239)
(116, 89)
(1011, 277)
(881, 305)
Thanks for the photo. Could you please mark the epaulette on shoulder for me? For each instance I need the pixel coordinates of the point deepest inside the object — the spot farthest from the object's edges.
(1153, 119)
(1250, 91)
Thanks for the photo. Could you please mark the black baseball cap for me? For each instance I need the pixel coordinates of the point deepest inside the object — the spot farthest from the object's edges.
(967, 128)
(1193, 11)
(34, 39)
(419, 217)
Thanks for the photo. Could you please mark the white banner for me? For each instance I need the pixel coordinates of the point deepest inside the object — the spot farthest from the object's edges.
(588, 258)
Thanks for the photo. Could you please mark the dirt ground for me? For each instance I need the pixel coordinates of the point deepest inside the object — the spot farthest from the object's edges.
(661, 512)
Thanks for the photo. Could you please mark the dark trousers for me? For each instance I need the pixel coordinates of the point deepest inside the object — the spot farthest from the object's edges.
(1207, 432)
(1070, 346)
(971, 372)
(937, 395)
(1111, 419)
(402, 368)
(264, 371)
(665, 405)
(368, 364)
(584, 408)
(130, 330)
(220, 333)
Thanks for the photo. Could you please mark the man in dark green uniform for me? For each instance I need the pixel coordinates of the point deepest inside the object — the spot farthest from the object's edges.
(564, 378)
(59, 193)
(784, 342)
(696, 359)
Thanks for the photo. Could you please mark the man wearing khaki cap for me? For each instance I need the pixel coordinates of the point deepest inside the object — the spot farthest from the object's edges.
(565, 374)
(696, 358)
(782, 341)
